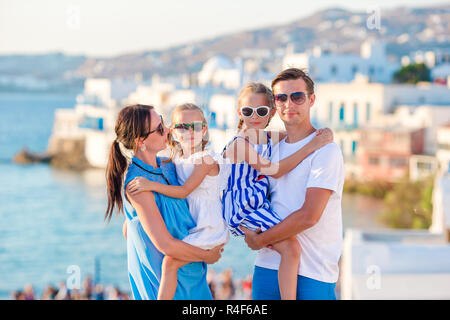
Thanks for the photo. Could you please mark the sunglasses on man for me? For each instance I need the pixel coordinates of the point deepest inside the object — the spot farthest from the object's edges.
(261, 111)
(296, 97)
(196, 126)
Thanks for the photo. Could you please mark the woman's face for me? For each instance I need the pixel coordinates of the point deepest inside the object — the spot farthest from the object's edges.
(188, 138)
(255, 100)
(155, 142)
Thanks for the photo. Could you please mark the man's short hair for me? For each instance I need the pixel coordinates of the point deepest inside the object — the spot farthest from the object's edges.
(294, 74)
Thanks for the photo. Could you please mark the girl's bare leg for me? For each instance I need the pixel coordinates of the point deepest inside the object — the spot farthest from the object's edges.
(289, 250)
(169, 272)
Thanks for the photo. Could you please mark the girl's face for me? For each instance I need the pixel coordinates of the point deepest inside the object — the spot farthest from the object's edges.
(255, 100)
(183, 126)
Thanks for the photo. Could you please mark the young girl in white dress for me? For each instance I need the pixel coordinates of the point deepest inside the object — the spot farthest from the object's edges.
(201, 182)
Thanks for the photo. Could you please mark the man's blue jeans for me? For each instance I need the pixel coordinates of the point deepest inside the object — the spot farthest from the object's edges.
(265, 287)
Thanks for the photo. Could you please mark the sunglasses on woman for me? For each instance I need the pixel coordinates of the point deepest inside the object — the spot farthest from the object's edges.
(296, 97)
(196, 126)
(159, 128)
(261, 111)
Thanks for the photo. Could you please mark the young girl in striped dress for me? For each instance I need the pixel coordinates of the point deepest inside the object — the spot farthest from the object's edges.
(200, 179)
(245, 201)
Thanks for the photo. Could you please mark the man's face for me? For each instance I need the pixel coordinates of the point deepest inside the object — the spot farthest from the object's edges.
(292, 113)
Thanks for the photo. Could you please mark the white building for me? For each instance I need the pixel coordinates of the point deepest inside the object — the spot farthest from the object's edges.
(322, 66)
(93, 118)
(221, 71)
(394, 264)
(348, 106)
(443, 151)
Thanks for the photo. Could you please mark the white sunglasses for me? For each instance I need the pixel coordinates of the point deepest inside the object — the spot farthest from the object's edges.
(261, 111)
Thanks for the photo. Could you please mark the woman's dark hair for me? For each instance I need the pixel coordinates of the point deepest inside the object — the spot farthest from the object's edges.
(132, 123)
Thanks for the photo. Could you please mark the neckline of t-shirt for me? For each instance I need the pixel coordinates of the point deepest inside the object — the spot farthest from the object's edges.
(297, 142)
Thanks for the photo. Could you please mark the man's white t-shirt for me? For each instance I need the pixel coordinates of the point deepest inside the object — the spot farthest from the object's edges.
(321, 244)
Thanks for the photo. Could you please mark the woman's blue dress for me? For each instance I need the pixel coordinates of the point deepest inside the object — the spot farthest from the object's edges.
(144, 259)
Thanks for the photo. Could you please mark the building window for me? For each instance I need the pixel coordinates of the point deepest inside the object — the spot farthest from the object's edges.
(368, 115)
(212, 121)
(355, 114)
(330, 112)
(374, 161)
(333, 69)
(354, 144)
(342, 112)
(424, 166)
(398, 162)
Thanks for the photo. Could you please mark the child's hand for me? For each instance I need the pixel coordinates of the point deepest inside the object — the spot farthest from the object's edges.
(140, 184)
(214, 254)
(323, 137)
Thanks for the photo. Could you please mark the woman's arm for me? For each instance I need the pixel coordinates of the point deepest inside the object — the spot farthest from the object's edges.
(153, 224)
(200, 171)
(241, 150)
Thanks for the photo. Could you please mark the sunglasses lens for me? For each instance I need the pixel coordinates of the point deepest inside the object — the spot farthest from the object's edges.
(262, 112)
(181, 127)
(198, 126)
(281, 97)
(298, 97)
(247, 112)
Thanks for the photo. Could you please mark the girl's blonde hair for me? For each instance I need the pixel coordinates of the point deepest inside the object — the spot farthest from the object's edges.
(256, 88)
(174, 145)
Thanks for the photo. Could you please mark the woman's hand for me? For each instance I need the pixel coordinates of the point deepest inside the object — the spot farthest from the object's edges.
(139, 184)
(214, 254)
(323, 137)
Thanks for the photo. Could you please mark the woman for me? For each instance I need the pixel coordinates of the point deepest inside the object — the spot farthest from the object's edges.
(157, 223)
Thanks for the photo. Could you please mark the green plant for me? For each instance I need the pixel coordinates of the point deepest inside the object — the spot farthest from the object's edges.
(409, 205)
(412, 74)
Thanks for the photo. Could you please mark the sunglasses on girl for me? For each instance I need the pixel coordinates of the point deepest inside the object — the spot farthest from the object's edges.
(296, 97)
(159, 128)
(196, 126)
(261, 111)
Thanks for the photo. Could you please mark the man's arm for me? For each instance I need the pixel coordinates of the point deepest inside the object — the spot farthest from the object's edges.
(307, 216)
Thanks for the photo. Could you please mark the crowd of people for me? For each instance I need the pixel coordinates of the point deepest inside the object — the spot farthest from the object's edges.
(222, 285)
(88, 291)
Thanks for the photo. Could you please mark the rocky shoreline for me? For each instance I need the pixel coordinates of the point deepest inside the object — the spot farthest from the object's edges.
(61, 153)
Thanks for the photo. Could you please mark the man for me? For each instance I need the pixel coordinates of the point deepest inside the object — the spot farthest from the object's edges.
(308, 199)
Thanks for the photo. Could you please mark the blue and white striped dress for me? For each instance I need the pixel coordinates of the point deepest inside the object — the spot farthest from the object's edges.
(245, 199)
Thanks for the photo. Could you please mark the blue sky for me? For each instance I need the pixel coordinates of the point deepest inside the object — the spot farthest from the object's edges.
(108, 28)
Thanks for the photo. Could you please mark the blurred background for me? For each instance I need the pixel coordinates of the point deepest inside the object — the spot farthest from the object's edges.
(382, 72)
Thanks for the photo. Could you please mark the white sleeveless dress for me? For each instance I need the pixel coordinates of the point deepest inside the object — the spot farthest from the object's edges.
(204, 203)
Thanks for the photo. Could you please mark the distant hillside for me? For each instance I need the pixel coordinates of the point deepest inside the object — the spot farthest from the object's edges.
(338, 30)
